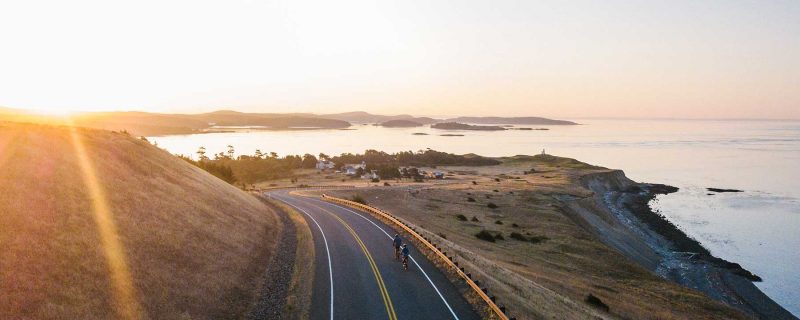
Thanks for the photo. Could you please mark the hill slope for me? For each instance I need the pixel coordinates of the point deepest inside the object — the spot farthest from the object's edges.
(80, 206)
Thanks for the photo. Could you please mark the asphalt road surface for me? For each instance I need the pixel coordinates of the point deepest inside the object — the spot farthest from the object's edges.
(356, 275)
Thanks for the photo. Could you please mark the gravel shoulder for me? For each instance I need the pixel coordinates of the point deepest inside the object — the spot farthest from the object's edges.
(272, 298)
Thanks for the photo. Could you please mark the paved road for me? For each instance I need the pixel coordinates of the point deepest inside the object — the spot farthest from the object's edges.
(356, 276)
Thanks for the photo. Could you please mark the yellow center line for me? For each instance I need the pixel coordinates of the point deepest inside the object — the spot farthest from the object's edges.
(387, 301)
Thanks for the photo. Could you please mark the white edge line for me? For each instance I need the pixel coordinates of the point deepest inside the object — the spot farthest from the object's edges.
(412, 258)
(328, 251)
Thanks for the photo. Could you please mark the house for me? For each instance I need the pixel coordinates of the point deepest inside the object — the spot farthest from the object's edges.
(352, 169)
(325, 164)
(371, 175)
(438, 175)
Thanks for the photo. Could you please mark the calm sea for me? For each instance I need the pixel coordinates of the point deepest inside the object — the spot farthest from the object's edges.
(758, 228)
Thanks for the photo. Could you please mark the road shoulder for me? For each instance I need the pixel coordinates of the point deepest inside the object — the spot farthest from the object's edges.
(298, 300)
(276, 282)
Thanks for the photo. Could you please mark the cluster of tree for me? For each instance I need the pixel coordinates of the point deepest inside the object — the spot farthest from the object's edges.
(387, 164)
(221, 171)
(268, 166)
(251, 168)
(409, 158)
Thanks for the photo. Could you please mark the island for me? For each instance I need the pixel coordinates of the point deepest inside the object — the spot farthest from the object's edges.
(464, 126)
(400, 123)
(511, 120)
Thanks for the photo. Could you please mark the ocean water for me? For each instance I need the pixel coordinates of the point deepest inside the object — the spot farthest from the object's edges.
(758, 228)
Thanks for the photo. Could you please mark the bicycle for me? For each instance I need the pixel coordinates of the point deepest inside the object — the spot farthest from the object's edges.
(397, 253)
(405, 263)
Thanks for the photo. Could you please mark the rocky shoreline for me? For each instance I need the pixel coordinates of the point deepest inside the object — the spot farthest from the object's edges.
(619, 213)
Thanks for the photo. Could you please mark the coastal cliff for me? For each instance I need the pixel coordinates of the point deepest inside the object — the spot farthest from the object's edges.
(618, 213)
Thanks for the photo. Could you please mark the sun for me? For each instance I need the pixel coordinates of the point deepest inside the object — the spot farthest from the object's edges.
(53, 112)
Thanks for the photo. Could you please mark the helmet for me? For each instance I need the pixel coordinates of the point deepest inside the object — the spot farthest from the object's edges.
(396, 235)
(405, 245)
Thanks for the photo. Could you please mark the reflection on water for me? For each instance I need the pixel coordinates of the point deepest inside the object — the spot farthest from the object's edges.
(757, 228)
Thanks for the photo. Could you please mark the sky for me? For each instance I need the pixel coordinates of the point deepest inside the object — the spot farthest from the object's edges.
(571, 59)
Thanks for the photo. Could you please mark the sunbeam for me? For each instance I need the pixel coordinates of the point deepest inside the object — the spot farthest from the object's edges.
(125, 297)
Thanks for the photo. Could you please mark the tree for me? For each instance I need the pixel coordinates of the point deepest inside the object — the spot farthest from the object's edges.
(259, 154)
(273, 155)
(323, 156)
(309, 161)
(230, 152)
(201, 154)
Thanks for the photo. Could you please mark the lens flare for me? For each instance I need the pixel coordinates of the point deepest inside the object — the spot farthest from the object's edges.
(125, 297)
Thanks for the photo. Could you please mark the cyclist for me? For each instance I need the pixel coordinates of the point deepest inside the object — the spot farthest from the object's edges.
(405, 256)
(396, 243)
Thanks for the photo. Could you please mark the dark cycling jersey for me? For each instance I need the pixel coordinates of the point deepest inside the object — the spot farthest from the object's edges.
(397, 242)
(405, 252)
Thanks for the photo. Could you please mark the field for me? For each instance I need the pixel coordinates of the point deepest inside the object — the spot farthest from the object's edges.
(545, 265)
(97, 225)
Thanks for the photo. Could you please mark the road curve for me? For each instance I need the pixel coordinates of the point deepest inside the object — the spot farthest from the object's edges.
(356, 275)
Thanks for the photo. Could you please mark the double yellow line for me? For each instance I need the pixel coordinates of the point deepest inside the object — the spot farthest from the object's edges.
(387, 301)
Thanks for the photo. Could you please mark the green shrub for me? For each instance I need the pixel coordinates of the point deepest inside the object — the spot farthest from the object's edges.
(461, 217)
(475, 219)
(596, 302)
(491, 205)
(499, 236)
(538, 239)
(518, 236)
(515, 225)
(359, 199)
(470, 199)
(498, 222)
(485, 235)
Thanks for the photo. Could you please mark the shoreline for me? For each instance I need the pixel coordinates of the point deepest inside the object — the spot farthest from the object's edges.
(619, 213)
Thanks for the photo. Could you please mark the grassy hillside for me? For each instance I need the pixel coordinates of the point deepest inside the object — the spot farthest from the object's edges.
(95, 224)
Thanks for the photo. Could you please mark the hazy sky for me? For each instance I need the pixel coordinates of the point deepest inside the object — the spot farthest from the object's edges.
(696, 59)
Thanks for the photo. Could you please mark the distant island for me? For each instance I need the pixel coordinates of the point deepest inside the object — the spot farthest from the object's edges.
(400, 124)
(463, 126)
(511, 120)
(529, 129)
(156, 124)
(365, 117)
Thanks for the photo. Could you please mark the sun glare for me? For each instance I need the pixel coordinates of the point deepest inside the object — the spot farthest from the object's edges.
(54, 112)
(125, 297)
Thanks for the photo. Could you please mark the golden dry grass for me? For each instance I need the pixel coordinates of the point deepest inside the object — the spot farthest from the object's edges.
(192, 244)
(549, 279)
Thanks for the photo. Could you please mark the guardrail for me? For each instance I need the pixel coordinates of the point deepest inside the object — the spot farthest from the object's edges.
(301, 187)
(447, 260)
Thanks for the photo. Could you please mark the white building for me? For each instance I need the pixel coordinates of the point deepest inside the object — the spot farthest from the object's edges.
(325, 164)
(352, 169)
(371, 175)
